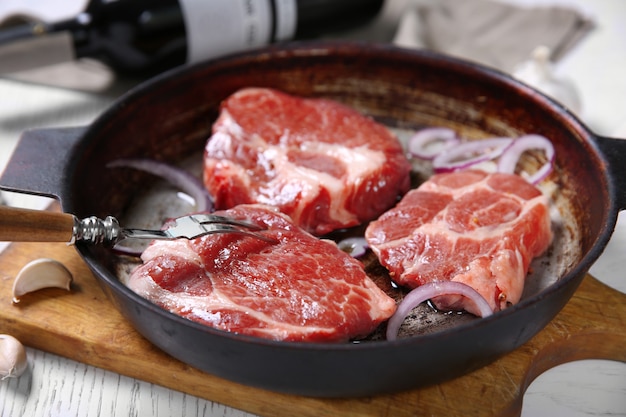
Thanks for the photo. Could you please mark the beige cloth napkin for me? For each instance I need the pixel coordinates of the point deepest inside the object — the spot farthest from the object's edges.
(491, 32)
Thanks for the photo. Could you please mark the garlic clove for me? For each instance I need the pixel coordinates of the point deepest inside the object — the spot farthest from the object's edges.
(13, 360)
(39, 274)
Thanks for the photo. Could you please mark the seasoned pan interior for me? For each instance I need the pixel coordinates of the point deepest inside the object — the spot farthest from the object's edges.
(172, 121)
(158, 201)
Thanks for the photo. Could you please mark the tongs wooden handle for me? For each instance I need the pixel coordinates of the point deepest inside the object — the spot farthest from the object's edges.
(26, 225)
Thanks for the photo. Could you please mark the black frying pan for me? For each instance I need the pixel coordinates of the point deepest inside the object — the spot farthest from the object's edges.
(169, 118)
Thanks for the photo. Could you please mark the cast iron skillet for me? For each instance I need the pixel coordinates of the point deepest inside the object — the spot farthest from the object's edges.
(170, 117)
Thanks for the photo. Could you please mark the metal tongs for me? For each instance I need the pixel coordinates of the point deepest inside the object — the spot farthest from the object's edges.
(25, 225)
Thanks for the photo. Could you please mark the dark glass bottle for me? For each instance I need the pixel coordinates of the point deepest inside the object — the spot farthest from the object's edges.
(149, 36)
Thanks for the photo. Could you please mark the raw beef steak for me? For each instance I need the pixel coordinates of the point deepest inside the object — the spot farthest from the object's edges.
(477, 228)
(320, 162)
(299, 289)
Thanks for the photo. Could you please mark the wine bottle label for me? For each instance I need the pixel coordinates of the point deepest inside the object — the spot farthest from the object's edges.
(219, 27)
(285, 19)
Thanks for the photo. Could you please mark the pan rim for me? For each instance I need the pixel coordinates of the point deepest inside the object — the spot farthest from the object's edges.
(309, 48)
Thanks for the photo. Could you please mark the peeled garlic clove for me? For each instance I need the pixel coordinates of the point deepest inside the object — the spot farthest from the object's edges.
(13, 361)
(39, 274)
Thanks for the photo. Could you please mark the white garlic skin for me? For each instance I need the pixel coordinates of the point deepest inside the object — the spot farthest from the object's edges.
(13, 360)
(41, 273)
(538, 73)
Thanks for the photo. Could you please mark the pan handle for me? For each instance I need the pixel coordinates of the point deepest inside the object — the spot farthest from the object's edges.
(614, 151)
(38, 163)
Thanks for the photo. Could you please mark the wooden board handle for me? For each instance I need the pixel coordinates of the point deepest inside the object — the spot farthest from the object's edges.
(25, 225)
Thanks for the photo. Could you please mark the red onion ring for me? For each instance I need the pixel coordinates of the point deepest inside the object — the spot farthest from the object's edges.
(177, 177)
(422, 144)
(470, 153)
(430, 290)
(354, 246)
(509, 159)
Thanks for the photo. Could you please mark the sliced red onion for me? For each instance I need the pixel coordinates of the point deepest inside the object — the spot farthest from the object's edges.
(509, 159)
(177, 177)
(467, 154)
(430, 142)
(355, 246)
(429, 291)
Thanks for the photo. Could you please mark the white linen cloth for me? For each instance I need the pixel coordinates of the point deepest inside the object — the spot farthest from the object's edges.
(492, 32)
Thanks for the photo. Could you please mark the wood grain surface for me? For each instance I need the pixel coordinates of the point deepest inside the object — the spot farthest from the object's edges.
(83, 325)
(26, 225)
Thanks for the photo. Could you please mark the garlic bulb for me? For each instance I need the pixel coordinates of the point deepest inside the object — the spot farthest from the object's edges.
(41, 273)
(13, 361)
(538, 73)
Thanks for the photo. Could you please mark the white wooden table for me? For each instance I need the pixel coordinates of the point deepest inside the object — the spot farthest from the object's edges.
(55, 386)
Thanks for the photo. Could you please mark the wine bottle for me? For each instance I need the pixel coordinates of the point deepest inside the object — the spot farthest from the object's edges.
(148, 36)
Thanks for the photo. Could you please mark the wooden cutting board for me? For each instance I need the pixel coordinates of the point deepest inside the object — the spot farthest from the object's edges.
(83, 325)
